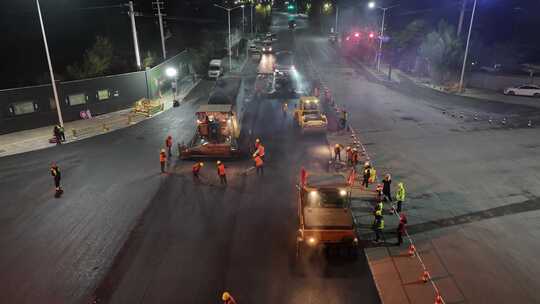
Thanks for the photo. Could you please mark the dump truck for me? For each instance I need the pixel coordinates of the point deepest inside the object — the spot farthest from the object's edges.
(324, 212)
(309, 117)
(217, 126)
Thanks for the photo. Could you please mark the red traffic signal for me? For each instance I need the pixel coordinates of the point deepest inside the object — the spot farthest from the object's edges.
(371, 35)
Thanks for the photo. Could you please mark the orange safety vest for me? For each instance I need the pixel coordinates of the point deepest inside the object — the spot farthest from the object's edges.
(258, 161)
(168, 142)
(162, 157)
(260, 150)
(221, 169)
(196, 168)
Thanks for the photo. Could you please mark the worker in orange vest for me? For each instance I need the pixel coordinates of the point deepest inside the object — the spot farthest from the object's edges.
(260, 151)
(196, 169)
(355, 157)
(349, 152)
(227, 298)
(168, 144)
(259, 164)
(221, 173)
(162, 160)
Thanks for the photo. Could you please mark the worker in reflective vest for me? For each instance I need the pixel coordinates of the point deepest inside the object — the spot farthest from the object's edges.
(227, 298)
(260, 150)
(367, 174)
(259, 164)
(196, 169)
(221, 173)
(400, 196)
(55, 172)
(168, 144)
(349, 152)
(162, 160)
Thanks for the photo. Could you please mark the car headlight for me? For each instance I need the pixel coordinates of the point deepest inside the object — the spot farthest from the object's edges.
(312, 241)
(270, 49)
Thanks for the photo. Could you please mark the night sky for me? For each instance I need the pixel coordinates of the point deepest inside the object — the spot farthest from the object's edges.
(71, 29)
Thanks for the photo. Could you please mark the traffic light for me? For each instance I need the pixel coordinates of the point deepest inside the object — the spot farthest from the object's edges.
(291, 7)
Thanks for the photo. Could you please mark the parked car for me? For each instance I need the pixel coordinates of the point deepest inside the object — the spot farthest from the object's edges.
(253, 48)
(523, 90)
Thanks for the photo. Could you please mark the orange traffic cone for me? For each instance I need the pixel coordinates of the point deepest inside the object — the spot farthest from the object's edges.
(425, 276)
(412, 250)
(438, 299)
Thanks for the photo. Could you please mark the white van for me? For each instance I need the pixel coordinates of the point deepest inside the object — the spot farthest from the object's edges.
(215, 68)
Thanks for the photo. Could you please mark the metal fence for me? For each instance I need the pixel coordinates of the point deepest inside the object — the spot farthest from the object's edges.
(33, 107)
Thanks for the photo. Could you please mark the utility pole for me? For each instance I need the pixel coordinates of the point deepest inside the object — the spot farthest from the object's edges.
(135, 39)
(53, 82)
(467, 49)
(461, 16)
(337, 14)
(160, 18)
(379, 54)
(251, 19)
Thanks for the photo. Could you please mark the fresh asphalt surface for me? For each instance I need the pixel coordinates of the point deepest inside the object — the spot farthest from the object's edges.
(123, 233)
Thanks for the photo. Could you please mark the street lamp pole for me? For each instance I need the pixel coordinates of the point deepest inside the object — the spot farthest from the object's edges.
(243, 20)
(467, 49)
(251, 19)
(337, 14)
(379, 54)
(229, 21)
(53, 82)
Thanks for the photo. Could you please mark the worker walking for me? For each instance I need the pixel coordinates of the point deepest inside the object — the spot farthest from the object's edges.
(57, 176)
(196, 169)
(162, 160)
(366, 175)
(227, 298)
(259, 164)
(168, 144)
(221, 173)
(386, 187)
(401, 229)
(337, 152)
(400, 196)
(378, 226)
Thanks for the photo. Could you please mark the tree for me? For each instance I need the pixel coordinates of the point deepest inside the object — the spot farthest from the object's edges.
(404, 44)
(443, 51)
(150, 59)
(97, 60)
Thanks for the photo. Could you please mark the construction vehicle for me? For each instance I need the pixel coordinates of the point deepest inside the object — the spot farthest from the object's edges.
(324, 212)
(309, 117)
(218, 127)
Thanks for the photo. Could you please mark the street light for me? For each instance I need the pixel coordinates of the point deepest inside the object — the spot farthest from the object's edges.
(229, 19)
(372, 5)
(467, 49)
(172, 73)
(243, 20)
(53, 82)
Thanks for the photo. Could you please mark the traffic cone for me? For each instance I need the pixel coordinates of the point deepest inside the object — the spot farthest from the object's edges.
(425, 276)
(438, 299)
(412, 250)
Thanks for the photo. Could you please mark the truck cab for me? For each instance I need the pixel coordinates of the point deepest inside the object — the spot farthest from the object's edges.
(309, 117)
(325, 216)
(215, 68)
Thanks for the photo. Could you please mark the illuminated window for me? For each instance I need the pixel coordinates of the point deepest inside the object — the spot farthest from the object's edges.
(76, 99)
(23, 107)
(103, 94)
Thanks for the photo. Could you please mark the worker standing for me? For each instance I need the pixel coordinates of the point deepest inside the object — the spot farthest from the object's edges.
(221, 173)
(355, 157)
(337, 152)
(55, 172)
(349, 152)
(386, 187)
(260, 150)
(400, 196)
(284, 109)
(196, 169)
(259, 164)
(57, 136)
(366, 175)
(162, 160)
(168, 144)
(378, 226)
(401, 228)
(227, 298)
(257, 143)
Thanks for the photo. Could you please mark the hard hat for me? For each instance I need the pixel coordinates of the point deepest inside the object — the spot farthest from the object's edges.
(257, 140)
(348, 148)
(378, 212)
(366, 164)
(337, 145)
(163, 150)
(201, 164)
(226, 296)
(218, 162)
